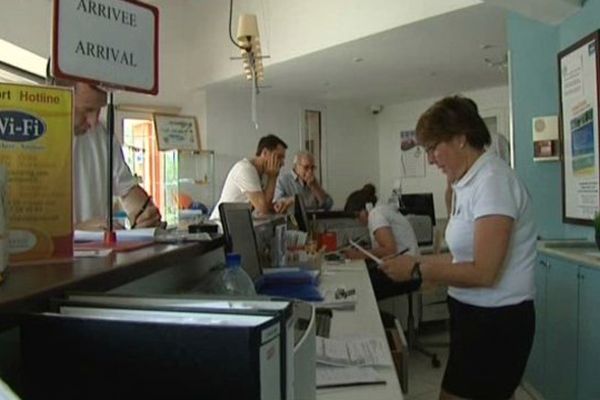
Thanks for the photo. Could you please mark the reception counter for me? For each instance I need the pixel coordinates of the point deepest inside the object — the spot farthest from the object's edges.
(28, 287)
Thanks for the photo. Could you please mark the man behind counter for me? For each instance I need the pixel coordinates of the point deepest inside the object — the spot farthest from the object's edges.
(301, 180)
(90, 162)
(243, 182)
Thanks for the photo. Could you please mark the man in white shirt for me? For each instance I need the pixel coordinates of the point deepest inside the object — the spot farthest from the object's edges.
(243, 182)
(90, 159)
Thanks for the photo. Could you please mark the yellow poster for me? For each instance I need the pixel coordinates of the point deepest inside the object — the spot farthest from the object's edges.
(36, 131)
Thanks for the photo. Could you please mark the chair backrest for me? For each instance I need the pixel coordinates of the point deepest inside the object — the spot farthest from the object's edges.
(240, 236)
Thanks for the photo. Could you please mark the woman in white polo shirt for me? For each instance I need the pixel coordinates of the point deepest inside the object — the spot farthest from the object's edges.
(491, 235)
(390, 233)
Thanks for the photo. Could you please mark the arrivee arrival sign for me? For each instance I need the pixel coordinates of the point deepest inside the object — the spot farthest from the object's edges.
(109, 42)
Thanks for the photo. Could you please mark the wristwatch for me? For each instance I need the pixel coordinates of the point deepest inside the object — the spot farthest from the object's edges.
(415, 273)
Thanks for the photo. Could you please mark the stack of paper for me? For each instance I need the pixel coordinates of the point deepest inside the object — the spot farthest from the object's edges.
(352, 352)
(332, 377)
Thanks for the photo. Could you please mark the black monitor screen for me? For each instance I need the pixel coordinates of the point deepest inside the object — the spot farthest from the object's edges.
(240, 236)
(419, 204)
(300, 213)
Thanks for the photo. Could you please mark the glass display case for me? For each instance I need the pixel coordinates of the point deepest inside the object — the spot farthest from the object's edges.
(194, 191)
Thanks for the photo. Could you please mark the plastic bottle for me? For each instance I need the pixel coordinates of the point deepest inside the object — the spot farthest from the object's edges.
(234, 280)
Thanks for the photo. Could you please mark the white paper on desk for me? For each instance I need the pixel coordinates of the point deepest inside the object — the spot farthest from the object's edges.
(343, 303)
(372, 256)
(123, 235)
(332, 376)
(352, 352)
(92, 253)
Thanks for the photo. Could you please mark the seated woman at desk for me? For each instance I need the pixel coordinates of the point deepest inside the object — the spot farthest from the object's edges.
(491, 235)
(390, 231)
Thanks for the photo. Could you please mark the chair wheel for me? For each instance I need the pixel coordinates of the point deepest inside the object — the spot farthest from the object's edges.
(435, 362)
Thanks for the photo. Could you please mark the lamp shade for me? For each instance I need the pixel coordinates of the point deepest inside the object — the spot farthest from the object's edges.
(247, 28)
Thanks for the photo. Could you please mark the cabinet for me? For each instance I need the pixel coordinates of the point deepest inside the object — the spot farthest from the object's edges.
(190, 186)
(588, 384)
(566, 350)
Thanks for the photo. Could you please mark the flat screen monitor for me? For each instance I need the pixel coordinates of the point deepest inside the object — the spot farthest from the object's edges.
(300, 213)
(240, 236)
(418, 204)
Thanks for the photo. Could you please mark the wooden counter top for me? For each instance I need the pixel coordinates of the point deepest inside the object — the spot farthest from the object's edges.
(27, 287)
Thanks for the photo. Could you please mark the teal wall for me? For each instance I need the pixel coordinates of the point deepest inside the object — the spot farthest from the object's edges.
(534, 79)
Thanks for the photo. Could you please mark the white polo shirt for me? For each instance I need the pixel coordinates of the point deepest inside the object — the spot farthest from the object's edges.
(90, 176)
(404, 234)
(490, 187)
(242, 178)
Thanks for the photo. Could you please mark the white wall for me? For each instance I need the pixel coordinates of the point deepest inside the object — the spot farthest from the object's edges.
(491, 101)
(350, 136)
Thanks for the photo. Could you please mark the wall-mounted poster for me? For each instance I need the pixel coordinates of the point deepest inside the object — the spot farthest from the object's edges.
(412, 155)
(176, 132)
(578, 79)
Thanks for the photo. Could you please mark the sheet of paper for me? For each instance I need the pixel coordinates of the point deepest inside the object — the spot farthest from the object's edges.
(352, 352)
(346, 376)
(366, 252)
(339, 299)
(92, 253)
(123, 235)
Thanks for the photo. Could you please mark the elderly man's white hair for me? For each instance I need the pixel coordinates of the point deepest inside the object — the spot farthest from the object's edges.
(302, 154)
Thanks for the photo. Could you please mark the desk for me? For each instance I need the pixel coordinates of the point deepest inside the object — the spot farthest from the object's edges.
(364, 320)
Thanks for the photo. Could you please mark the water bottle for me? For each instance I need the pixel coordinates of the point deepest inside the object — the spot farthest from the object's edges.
(234, 280)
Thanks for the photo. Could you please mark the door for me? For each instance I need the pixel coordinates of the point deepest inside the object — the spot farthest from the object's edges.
(156, 171)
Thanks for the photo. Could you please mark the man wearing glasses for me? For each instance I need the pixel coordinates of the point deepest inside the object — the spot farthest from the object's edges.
(301, 180)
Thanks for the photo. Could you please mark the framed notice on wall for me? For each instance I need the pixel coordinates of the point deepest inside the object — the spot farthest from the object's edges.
(176, 132)
(579, 78)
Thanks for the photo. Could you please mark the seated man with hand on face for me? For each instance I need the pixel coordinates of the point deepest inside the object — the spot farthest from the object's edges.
(90, 163)
(301, 180)
(243, 182)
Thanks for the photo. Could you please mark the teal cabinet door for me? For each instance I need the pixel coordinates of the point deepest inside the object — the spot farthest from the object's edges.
(534, 374)
(560, 347)
(588, 379)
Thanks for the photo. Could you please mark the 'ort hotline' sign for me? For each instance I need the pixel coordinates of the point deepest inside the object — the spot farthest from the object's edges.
(36, 130)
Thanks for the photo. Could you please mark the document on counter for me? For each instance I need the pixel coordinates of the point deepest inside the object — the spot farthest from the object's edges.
(352, 352)
(123, 235)
(339, 299)
(367, 253)
(332, 377)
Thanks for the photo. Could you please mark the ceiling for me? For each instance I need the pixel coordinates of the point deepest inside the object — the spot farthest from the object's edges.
(437, 56)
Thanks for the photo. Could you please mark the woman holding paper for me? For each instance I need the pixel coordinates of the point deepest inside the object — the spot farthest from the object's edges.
(390, 231)
(490, 269)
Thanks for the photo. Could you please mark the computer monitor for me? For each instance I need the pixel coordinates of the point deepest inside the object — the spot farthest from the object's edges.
(418, 204)
(300, 213)
(240, 236)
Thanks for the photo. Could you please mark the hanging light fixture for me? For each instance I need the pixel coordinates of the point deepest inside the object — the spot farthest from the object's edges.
(248, 41)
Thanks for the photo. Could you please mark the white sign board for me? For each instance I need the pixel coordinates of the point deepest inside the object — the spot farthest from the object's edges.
(176, 132)
(108, 42)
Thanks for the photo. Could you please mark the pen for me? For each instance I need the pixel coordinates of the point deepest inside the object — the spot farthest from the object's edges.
(398, 253)
(144, 206)
(347, 384)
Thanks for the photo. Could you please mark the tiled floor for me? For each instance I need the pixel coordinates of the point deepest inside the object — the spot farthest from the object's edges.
(423, 380)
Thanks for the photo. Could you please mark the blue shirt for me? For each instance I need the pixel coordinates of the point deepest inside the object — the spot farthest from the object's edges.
(290, 184)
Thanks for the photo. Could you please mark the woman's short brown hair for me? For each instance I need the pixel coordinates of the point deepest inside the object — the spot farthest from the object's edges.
(450, 117)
